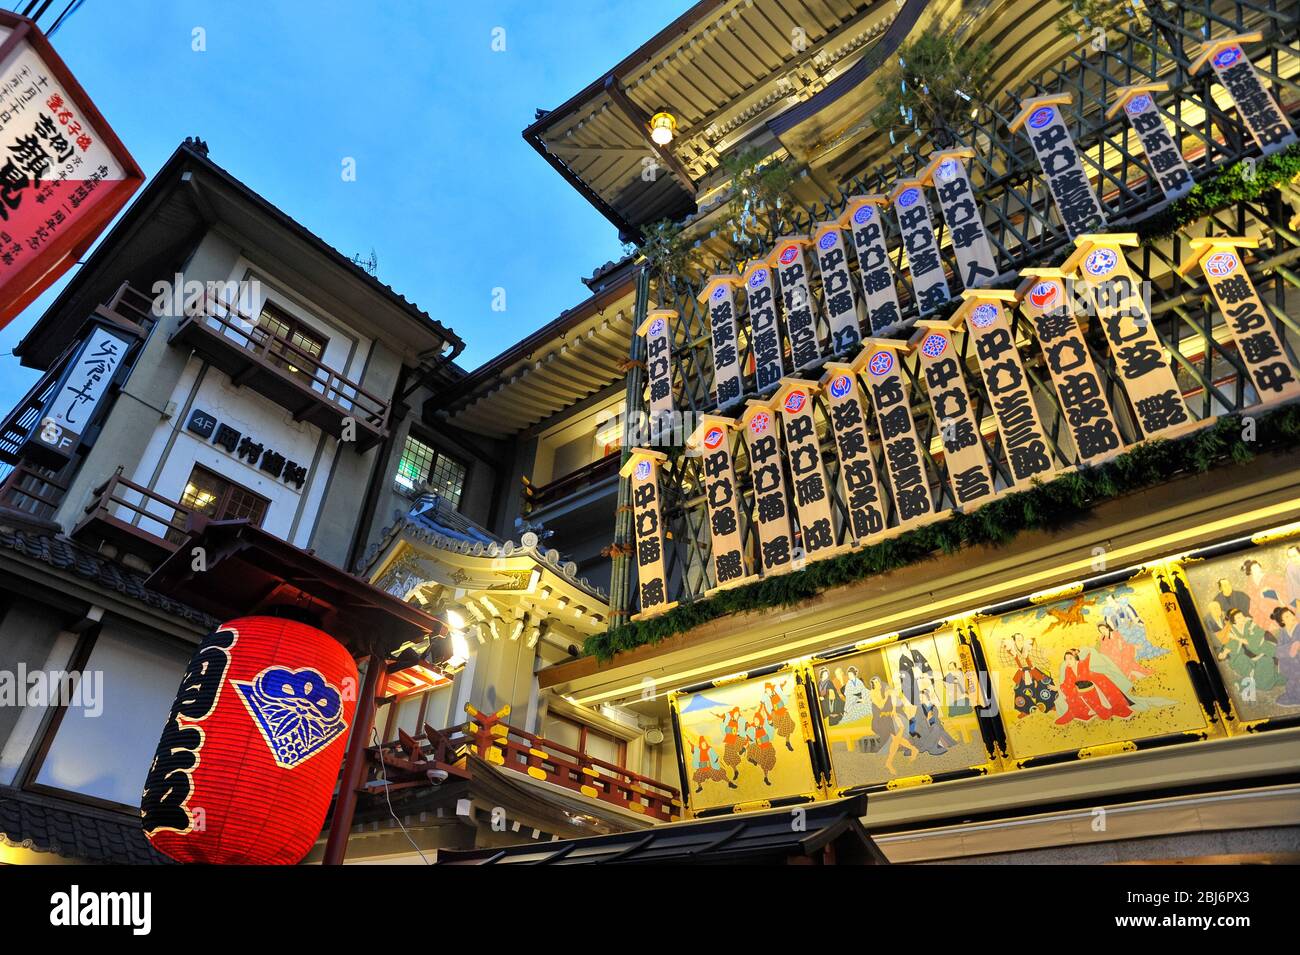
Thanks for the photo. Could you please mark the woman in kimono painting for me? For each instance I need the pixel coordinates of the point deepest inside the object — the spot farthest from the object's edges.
(760, 750)
(782, 721)
(1088, 694)
(1092, 687)
(916, 680)
(706, 766)
(1288, 655)
(1291, 570)
(888, 722)
(927, 731)
(1120, 614)
(857, 703)
(1250, 651)
(958, 690)
(1267, 592)
(832, 702)
(1120, 652)
(1033, 687)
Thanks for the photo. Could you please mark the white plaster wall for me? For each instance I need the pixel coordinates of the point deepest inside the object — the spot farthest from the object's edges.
(172, 452)
(346, 350)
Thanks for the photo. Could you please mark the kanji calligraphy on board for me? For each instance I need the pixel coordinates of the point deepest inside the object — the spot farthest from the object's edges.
(63, 172)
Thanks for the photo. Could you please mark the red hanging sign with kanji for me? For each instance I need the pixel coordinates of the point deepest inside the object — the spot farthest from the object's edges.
(63, 173)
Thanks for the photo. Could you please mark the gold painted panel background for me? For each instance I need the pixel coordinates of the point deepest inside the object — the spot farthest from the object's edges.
(1101, 667)
(903, 709)
(1247, 603)
(722, 742)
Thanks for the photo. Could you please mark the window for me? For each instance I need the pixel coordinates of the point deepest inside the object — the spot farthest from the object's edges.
(301, 343)
(29, 637)
(421, 464)
(579, 444)
(105, 740)
(586, 740)
(222, 500)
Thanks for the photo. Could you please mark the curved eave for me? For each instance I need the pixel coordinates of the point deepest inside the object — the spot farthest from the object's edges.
(562, 364)
(723, 70)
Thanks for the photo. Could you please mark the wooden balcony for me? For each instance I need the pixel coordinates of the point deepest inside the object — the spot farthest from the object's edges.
(408, 761)
(33, 491)
(575, 481)
(134, 519)
(288, 375)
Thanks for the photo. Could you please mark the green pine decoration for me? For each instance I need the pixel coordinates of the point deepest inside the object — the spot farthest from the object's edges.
(1048, 506)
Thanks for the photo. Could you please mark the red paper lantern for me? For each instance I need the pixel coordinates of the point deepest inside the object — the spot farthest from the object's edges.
(250, 754)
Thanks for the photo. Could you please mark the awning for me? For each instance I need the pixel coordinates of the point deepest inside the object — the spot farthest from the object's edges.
(832, 834)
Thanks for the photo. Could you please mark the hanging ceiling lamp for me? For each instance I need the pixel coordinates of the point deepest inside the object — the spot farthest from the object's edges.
(662, 126)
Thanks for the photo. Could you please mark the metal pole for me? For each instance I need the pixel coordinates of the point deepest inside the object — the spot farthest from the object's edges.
(354, 762)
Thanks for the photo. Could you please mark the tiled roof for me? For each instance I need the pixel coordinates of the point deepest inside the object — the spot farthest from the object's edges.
(195, 151)
(432, 522)
(752, 838)
(62, 554)
(45, 824)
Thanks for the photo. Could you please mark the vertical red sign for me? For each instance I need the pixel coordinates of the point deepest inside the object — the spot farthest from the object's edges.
(63, 173)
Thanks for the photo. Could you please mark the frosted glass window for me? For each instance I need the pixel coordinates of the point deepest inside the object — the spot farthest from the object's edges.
(104, 749)
(603, 747)
(29, 637)
(563, 732)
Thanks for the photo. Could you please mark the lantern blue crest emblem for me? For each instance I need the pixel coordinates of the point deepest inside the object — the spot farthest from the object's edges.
(947, 170)
(934, 345)
(881, 363)
(1100, 262)
(298, 712)
(657, 327)
(719, 292)
(840, 386)
(758, 278)
(984, 315)
(827, 241)
(642, 470)
(908, 197)
(1041, 117)
(1221, 264)
(1137, 104)
(863, 214)
(1227, 57)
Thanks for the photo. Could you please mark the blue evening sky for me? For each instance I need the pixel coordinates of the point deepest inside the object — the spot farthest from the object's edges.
(448, 194)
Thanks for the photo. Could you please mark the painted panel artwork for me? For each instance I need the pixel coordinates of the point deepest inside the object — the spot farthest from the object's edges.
(746, 741)
(1248, 603)
(1100, 667)
(902, 709)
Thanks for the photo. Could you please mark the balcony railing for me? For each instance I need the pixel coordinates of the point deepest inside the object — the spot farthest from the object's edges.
(407, 762)
(1024, 231)
(575, 481)
(286, 373)
(134, 518)
(33, 491)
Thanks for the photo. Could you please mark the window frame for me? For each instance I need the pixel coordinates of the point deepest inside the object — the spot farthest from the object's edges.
(438, 455)
(224, 499)
(293, 325)
(583, 730)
